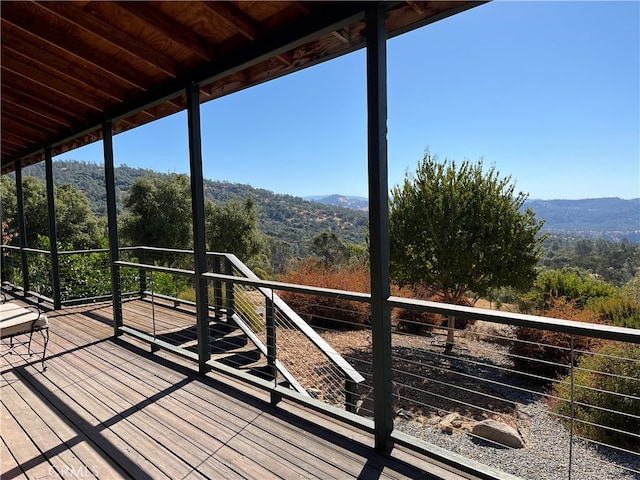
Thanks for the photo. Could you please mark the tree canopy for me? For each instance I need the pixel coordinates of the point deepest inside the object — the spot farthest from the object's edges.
(232, 227)
(76, 224)
(160, 213)
(455, 228)
(329, 248)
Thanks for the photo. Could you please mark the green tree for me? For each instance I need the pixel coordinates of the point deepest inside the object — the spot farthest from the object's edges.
(456, 228)
(8, 203)
(75, 222)
(36, 216)
(160, 213)
(232, 227)
(329, 248)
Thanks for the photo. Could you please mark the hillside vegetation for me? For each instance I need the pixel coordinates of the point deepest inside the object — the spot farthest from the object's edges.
(284, 217)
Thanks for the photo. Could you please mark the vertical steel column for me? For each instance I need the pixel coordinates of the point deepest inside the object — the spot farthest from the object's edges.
(22, 229)
(112, 218)
(53, 236)
(199, 241)
(376, 36)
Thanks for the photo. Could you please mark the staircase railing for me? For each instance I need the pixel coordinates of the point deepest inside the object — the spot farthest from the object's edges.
(285, 338)
(241, 298)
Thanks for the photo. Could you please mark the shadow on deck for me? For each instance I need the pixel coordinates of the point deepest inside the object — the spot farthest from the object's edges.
(106, 407)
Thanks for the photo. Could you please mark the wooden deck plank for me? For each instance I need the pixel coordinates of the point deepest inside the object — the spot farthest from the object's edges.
(8, 463)
(215, 467)
(22, 448)
(160, 424)
(113, 404)
(57, 434)
(140, 434)
(50, 444)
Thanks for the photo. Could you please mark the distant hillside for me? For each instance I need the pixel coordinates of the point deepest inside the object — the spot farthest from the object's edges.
(355, 203)
(296, 220)
(283, 217)
(609, 218)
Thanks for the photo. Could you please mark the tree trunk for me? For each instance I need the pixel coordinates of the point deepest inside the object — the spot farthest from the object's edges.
(451, 323)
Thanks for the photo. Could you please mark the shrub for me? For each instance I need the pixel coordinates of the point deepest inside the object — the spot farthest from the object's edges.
(621, 311)
(572, 284)
(547, 353)
(324, 311)
(415, 322)
(606, 395)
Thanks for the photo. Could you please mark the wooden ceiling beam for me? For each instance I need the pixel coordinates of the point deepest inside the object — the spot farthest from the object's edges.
(17, 113)
(44, 56)
(235, 18)
(169, 27)
(34, 93)
(35, 105)
(20, 127)
(32, 27)
(245, 25)
(87, 20)
(13, 140)
(94, 99)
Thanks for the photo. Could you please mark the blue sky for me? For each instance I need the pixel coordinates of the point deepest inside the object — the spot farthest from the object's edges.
(548, 92)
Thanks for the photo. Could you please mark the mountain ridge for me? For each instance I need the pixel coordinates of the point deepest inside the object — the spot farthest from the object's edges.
(612, 218)
(295, 219)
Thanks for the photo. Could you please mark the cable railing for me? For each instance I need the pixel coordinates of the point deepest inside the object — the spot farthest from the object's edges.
(284, 342)
(564, 407)
(315, 368)
(568, 397)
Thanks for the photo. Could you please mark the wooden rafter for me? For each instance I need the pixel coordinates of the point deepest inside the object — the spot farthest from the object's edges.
(69, 66)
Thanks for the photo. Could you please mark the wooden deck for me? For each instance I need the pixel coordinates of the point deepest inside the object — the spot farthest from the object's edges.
(108, 408)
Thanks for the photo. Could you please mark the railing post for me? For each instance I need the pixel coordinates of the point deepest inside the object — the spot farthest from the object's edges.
(571, 407)
(376, 37)
(142, 272)
(350, 395)
(271, 346)
(199, 241)
(53, 236)
(112, 220)
(22, 229)
(217, 287)
(230, 290)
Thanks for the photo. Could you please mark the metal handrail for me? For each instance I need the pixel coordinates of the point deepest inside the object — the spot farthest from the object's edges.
(571, 327)
(249, 279)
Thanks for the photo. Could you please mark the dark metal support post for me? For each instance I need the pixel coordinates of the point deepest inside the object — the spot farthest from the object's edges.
(114, 253)
(53, 235)
(142, 272)
(22, 229)
(269, 316)
(379, 223)
(230, 291)
(217, 288)
(350, 395)
(199, 239)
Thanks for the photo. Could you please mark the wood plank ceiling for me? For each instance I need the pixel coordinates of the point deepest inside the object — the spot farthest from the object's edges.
(66, 67)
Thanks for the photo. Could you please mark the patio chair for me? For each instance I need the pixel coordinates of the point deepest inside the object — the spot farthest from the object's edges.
(16, 320)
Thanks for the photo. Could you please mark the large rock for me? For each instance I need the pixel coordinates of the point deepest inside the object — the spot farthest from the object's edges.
(498, 432)
(450, 423)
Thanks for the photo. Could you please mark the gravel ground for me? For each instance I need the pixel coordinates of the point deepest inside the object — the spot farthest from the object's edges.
(546, 455)
(544, 458)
